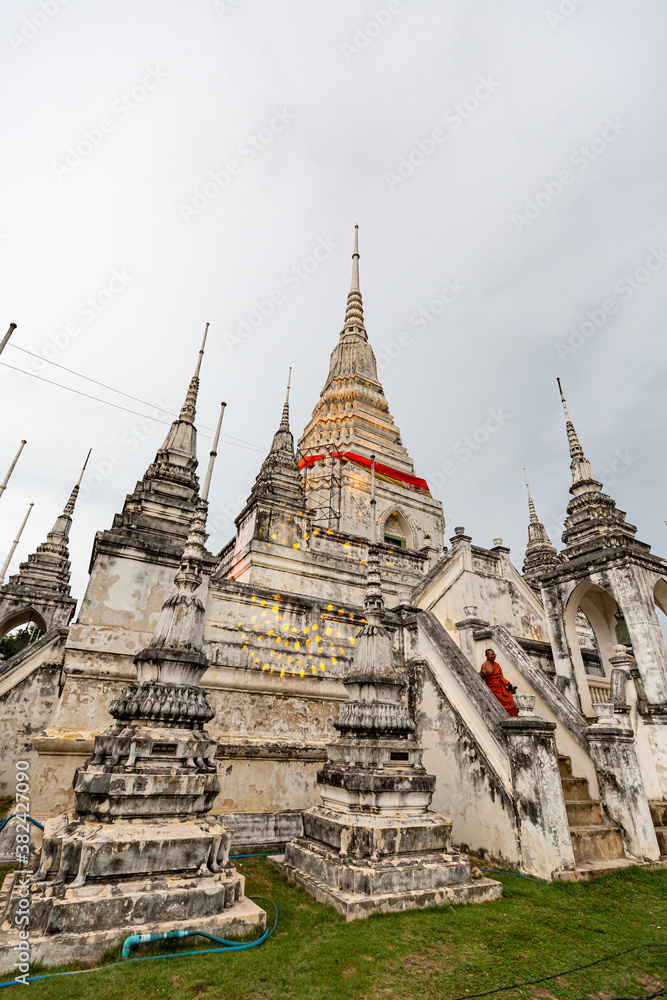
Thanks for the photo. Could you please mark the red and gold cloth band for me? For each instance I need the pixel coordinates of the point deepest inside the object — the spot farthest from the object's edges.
(385, 472)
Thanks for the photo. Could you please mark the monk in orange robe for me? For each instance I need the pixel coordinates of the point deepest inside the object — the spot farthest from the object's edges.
(493, 676)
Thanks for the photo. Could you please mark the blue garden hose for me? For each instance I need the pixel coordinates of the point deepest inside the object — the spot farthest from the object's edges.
(492, 871)
(135, 938)
(5, 821)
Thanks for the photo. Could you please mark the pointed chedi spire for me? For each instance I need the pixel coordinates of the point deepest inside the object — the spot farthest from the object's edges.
(189, 408)
(593, 519)
(540, 553)
(180, 446)
(45, 575)
(170, 667)
(279, 480)
(531, 506)
(351, 421)
(284, 420)
(69, 506)
(353, 358)
(158, 512)
(354, 312)
(583, 477)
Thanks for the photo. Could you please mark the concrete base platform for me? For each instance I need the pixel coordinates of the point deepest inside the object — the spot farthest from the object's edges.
(243, 917)
(358, 906)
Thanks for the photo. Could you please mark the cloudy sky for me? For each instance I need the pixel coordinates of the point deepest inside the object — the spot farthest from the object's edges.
(170, 163)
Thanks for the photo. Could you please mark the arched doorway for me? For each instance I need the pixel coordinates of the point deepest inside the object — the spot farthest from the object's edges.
(592, 669)
(396, 530)
(19, 630)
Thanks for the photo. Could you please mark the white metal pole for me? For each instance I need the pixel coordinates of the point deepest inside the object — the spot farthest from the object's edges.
(3, 484)
(10, 556)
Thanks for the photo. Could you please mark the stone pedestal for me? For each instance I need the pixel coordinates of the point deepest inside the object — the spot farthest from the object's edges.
(612, 748)
(373, 846)
(543, 824)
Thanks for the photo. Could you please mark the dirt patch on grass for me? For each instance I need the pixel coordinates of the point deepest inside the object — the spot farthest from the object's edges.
(422, 965)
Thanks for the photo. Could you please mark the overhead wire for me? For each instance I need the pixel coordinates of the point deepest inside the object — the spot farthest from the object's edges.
(238, 442)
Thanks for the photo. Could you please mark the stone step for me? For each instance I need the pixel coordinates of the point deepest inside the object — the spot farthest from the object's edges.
(565, 766)
(658, 813)
(596, 843)
(575, 789)
(661, 834)
(591, 869)
(586, 812)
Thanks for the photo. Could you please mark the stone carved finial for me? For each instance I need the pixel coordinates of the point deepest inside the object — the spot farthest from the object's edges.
(526, 705)
(605, 714)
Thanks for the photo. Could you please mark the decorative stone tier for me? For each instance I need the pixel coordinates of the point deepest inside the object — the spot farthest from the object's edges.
(378, 777)
(140, 772)
(144, 905)
(374, 709)
(183, 705)
(362, 863)
(98, 878)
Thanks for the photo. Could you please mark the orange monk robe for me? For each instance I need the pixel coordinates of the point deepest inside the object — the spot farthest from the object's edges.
(499, 686)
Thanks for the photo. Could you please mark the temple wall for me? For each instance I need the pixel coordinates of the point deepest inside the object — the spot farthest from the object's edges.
(468, 576)
(25, 708)
(469, 789)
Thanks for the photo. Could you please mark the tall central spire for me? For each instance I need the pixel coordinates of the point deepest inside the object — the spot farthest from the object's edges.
(352, 412)
(354, 313)
(583, 477)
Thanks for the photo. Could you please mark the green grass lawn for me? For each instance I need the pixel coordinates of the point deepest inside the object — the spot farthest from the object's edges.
(535, 931)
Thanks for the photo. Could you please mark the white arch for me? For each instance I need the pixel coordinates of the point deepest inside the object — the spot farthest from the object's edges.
(405, 528)
(21, 616)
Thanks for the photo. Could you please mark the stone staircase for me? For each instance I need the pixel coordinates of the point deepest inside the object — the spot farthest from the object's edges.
(596, 846)
(659, 817)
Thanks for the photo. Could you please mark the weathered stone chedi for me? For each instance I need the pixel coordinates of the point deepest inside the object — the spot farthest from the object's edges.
(140, 853)
(373, 845)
